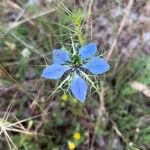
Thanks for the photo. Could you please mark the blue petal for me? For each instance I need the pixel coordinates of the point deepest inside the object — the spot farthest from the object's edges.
(60, 56)
(79, 88)
(97, 65)
(87, 51)
(54, 71)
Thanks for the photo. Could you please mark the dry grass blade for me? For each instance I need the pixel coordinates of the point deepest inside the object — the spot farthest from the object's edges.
(15, 24)
(122, 24)
(7, 126)
(141, 88)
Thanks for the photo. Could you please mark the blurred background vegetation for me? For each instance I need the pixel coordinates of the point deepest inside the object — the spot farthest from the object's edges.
(116, 117)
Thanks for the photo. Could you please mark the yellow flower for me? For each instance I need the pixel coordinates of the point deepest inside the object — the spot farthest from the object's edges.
(71, 145)
(77, 136)
(64, 97)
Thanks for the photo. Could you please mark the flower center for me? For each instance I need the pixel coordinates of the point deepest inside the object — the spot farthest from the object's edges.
(76, 62)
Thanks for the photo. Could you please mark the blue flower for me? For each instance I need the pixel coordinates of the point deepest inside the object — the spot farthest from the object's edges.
(84, 60)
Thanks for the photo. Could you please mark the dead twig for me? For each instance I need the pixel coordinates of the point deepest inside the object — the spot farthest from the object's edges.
(122, 24)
